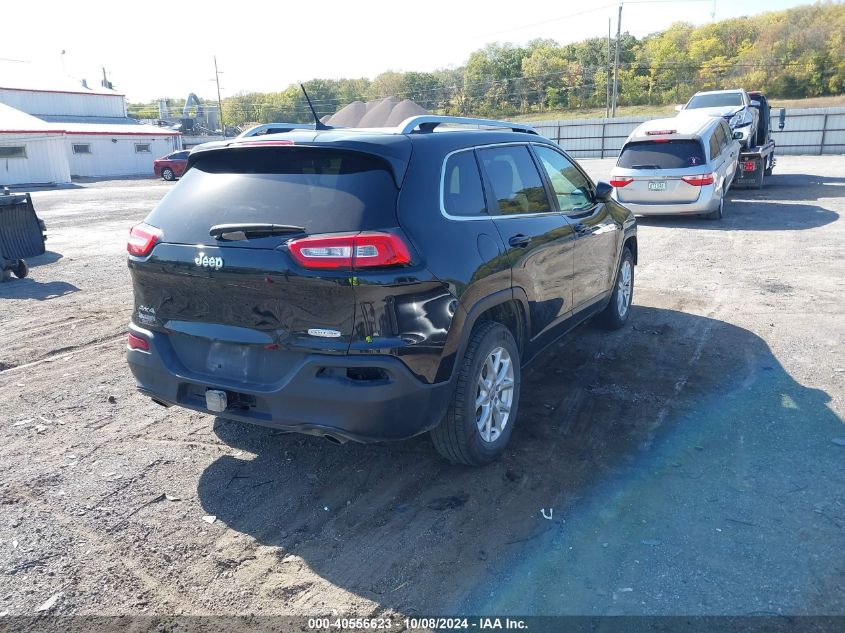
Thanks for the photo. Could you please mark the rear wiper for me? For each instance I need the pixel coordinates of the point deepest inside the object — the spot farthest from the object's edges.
(644, 167)
(233, 232)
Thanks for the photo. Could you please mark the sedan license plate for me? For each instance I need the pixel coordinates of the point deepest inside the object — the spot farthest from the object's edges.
(657, 186)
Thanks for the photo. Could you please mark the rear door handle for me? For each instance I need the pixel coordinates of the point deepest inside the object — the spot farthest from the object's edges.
(519, 240)
(581, 228)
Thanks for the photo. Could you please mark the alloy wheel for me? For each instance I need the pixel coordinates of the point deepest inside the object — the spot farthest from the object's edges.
(623, 290)
(494, 394)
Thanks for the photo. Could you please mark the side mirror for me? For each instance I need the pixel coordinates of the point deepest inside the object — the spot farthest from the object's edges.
(603, 191)
(737, 136)
(755, 104)
(678, 108)
(782, 118)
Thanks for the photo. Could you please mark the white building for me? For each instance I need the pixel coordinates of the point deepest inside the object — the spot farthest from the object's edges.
(31, 150)
(54, 129)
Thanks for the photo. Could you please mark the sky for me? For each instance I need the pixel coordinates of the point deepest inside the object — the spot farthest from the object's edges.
(168, 52)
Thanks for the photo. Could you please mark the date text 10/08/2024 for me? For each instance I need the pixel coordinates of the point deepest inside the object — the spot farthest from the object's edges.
(386, 624)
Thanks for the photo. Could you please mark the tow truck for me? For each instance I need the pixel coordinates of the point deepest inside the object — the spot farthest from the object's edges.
(757, 161)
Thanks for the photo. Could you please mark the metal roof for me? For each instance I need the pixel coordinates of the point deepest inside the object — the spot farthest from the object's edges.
(116, 129)
(32, 77)
(15, 121)
(105, 120)
(104, 125)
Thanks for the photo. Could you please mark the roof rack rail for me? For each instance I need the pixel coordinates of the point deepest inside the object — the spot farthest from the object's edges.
(427, 123)
(255, 130)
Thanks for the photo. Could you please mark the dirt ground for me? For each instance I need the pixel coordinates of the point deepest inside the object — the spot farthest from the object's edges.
(691, 463)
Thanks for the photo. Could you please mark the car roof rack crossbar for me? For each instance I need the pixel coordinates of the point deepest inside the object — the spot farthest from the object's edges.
(427, 123)
(282, 127)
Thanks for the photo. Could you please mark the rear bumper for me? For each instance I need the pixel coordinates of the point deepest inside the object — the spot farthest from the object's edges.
(311, 398)
(706, 203)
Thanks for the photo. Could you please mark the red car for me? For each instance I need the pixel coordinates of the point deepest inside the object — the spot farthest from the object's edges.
(172, 166)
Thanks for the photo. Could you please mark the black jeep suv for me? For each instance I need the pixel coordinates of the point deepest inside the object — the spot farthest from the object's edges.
(372, 285)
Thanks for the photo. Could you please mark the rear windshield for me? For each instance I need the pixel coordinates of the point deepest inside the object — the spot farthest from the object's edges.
(321, 190)
(715, 101)
(661, 155)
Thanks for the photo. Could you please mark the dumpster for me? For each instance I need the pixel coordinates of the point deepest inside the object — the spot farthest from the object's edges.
(21, 233)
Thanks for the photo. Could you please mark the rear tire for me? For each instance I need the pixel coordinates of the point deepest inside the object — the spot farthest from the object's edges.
(168, 174)
(479, 422)
(21, 270)
(615, 314)
(718, 213)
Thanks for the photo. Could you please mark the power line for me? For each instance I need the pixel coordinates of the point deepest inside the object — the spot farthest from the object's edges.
(549, 21)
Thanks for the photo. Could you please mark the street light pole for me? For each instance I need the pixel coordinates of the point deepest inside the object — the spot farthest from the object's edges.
(616, 62)
(219, 100)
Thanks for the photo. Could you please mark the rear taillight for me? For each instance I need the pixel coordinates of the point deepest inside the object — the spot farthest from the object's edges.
(364, 250)
(136, 342)
(698, 181)
(621, 181)
(142, 238)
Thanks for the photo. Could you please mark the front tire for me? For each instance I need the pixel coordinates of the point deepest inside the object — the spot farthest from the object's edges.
(615, 314)
(168, 174)
(481, 416)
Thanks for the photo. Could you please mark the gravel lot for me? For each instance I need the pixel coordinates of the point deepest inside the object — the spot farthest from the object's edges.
(691, 463)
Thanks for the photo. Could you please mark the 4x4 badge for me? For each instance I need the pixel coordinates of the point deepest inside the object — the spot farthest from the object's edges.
(208, 262)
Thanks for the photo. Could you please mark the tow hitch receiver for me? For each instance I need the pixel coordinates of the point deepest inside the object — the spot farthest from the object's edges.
(215, 400)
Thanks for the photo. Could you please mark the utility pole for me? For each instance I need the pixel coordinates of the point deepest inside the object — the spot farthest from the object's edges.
(219, 100)
(616, 62)
(607, 82)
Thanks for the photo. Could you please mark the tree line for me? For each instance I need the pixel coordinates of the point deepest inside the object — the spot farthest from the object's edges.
(795, 53)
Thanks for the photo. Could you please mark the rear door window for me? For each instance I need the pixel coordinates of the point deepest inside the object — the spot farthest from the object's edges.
(463, 194)
(517, 186)
(726, 132)
(661, 155)
(715, 148)
(720, 136)
(322, 190)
